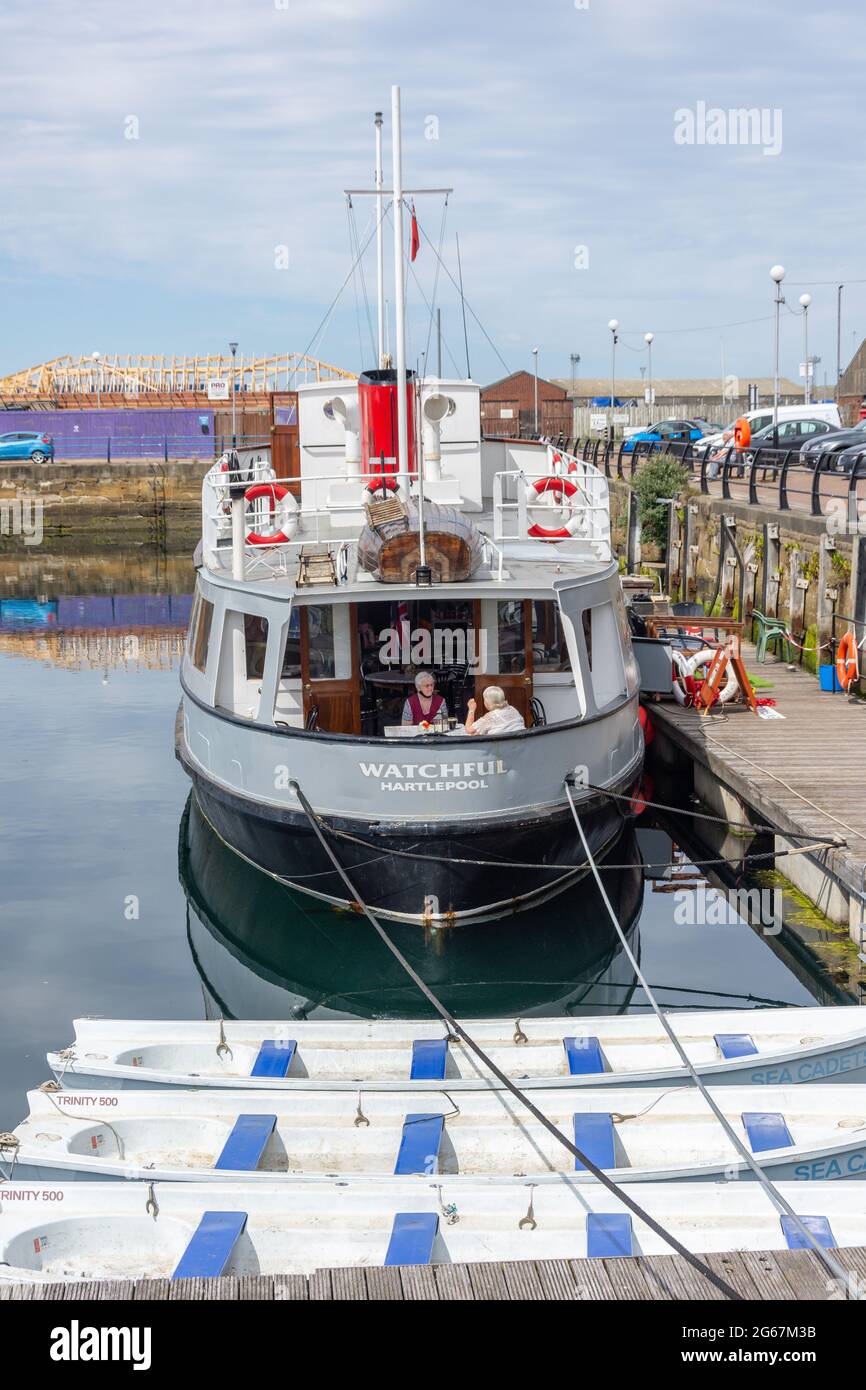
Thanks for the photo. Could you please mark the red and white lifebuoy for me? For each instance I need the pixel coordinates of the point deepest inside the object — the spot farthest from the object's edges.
(384, 483)
(286, 523)
(683, 685)
(846, 660)
(704, 658)
(560, 488)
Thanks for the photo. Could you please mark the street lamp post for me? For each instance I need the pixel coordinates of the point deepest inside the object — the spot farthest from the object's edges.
(535, 389)
(575, 363)
(613, 326)
(233, 348)
(95, 357)
(648, 339)
(839, 289)
(805, 301)
(777, 274)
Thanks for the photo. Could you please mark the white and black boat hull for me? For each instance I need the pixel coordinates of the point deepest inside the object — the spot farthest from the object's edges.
(447, 872)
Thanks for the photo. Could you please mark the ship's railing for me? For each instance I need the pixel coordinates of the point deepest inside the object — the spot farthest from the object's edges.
(565, 493)
(317, 519)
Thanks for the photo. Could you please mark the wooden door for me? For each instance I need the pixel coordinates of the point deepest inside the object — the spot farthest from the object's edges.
(285, 444)
(516, 681)
(335, 700)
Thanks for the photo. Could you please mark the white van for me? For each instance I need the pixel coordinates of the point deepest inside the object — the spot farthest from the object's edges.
(758, 419)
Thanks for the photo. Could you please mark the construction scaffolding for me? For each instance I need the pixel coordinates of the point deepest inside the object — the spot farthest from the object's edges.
(130, 380)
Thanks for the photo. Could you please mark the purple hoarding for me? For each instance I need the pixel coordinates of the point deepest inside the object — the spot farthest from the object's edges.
(132, 434)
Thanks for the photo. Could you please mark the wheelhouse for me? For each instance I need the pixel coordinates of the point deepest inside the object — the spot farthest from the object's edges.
(344, 664)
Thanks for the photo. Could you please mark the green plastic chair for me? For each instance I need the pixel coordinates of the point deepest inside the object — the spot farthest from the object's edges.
(770, 630)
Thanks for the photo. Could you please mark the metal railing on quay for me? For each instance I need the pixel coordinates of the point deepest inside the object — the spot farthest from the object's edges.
(766, 476)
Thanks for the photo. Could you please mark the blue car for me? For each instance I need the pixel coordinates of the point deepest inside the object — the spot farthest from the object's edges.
(666, 431)
(26, 444)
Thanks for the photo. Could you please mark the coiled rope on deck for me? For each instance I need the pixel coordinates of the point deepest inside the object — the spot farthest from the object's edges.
(506, 1081)
(772, 1191)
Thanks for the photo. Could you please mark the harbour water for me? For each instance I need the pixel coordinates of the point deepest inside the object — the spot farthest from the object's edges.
(119, 899)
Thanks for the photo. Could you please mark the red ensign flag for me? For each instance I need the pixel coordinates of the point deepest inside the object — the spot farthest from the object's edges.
(415, 241)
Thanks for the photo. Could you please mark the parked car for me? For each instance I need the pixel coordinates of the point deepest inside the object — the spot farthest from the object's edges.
(38, 448)
(821, 451)
(790, 434)
(844, 461)
(705, 426)
(759, 419)
(666, 431)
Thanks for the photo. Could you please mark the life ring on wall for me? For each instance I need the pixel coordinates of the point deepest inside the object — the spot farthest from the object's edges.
(731, 685)
(742, 434)
(382, 482)
(565, 488)
(288, 519)
(846, 660)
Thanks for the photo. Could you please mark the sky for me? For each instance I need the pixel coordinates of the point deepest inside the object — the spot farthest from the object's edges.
(173, 178)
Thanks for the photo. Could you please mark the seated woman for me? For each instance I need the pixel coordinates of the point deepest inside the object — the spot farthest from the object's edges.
(501, 718)
(425, 704)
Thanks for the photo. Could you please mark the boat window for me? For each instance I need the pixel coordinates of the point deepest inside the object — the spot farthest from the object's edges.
(512, 641)
(320, 620)
(586, 617)
(549, 649)
(292, 656)
(256, 640)
(199, 631)
(608, 672)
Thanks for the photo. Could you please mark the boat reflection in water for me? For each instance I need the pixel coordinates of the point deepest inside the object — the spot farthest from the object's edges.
(265, 951)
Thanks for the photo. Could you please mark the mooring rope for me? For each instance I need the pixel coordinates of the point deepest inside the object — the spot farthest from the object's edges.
(506, 1081)
(772, 1191)
(832, 841)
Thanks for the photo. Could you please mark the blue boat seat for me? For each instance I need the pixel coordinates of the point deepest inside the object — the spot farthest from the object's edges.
(412, 1237)
(275, 1057)
(247, 1142)
(608, 1233)
(428, 1060)
(766, 1130)
(208, 1253)
(593, 1135)
(584, 1056)
(733, 1045)
(419, 1144)
(818, 1226)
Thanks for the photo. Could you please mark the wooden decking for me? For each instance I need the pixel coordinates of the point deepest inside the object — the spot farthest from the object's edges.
(805, 774)
(787, 1274)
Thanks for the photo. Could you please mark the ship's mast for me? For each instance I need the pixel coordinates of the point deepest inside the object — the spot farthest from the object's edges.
(399, 295)
(380, 242)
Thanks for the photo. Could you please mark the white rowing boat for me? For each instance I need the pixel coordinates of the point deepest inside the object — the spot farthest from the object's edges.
(163, 1230)
(751, 1047)
(800, 1133)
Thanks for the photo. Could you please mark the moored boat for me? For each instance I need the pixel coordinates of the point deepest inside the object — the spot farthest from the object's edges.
(797, 1133)
(406, 544)
(750, 1047)
(62, 1232)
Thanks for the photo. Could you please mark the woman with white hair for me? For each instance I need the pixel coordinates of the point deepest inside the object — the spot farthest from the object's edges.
(425, 705)
(501, 718)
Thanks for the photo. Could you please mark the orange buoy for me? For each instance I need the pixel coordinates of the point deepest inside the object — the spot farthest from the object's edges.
(742, 433)
(642, 795)
(846, 660)
(649, 732)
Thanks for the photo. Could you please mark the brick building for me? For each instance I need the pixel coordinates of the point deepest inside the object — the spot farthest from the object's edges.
(508, 406)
